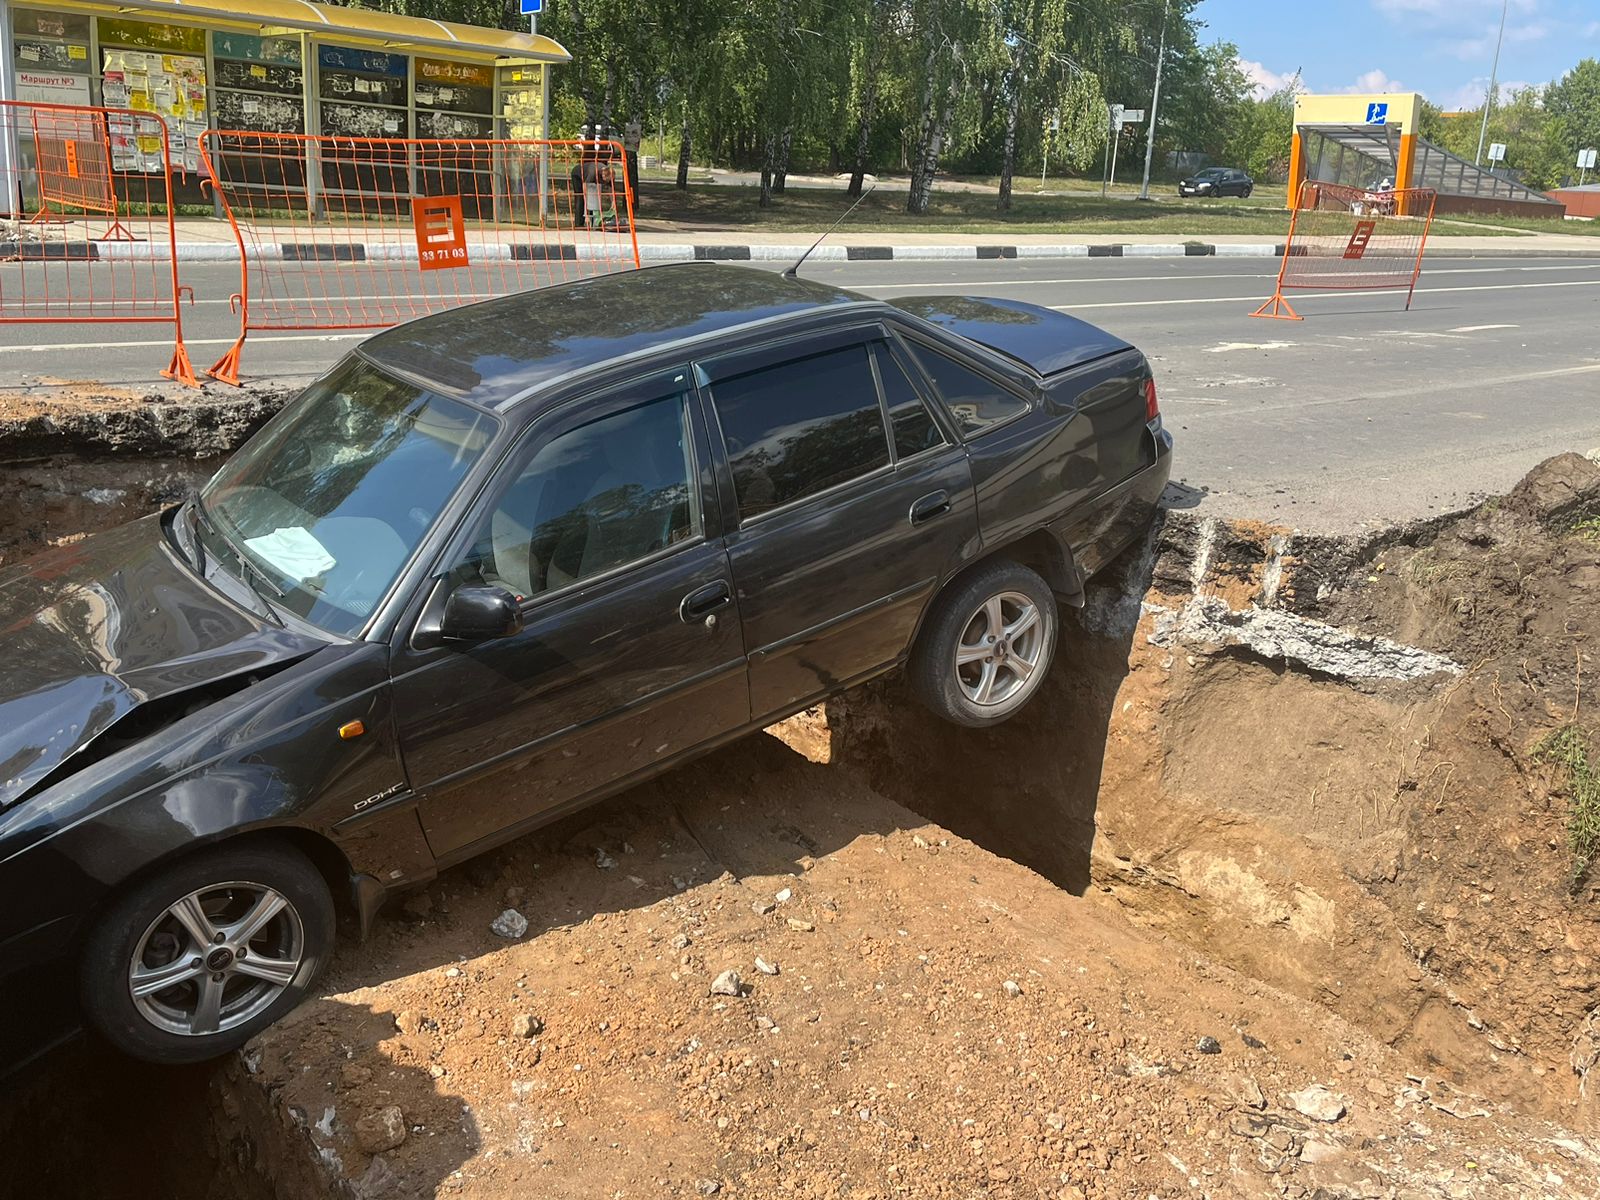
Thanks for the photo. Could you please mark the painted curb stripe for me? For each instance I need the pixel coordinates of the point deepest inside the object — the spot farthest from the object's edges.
(222, 252)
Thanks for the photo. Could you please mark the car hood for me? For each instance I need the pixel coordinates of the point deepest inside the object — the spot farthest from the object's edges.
(91, 631)
(1048, 341)
(1194, 179)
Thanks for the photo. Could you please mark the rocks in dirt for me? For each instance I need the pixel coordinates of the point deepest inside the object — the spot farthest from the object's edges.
(509, 924)
(1280, 636)
(408, 1020)
(765, 967)
(526, 1025)
(1317, 1102)
(681, 942)
(603, 860)
(708, 1187)
(1208, 1045)
(377, 1182)
(1318, 1152)
(800, 926)
(727, 984)
(784, 895)
(380, 1130)
(1247, 1092)
(1011, 988)
(763, 907)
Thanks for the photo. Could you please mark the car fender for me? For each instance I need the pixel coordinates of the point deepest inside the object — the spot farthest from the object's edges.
(268, 758)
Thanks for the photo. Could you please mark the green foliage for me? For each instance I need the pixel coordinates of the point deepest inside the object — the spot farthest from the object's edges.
(1588, 528)
(1568, 750)
(923, 86)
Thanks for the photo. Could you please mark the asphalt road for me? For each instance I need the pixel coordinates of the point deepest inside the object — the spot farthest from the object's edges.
(1361, 414)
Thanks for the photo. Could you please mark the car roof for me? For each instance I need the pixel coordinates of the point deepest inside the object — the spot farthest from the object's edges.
(494, 352)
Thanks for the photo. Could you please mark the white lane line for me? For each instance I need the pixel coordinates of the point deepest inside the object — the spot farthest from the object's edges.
(1226, 347)
(227, 341)
(1475, 287)
(1266, 272)
(1481, 328)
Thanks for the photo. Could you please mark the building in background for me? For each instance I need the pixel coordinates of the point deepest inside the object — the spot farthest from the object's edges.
(1371, 141)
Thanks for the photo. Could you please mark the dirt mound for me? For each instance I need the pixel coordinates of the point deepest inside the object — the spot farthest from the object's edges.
(1363, 772)
(937, 1021)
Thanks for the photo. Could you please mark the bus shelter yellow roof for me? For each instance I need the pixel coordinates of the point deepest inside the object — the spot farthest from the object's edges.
(345, 24)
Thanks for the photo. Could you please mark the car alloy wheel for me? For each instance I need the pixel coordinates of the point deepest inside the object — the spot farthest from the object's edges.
(997, 658)
(217, 958)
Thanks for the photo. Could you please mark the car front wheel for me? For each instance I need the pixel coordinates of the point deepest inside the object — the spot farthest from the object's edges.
(196, 960)
(986, 646)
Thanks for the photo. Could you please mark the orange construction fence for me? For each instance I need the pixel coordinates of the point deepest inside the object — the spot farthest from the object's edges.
(1352, 238)
(87, 216)
(360, 233)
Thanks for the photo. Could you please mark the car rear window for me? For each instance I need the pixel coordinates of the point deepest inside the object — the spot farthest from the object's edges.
(975, 401)
(800, 427)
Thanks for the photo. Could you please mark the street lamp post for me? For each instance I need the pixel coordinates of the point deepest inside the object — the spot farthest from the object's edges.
(1155, 103)
(1494, 74)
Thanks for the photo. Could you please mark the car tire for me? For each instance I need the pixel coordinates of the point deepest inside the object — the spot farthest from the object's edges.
(148, 989)
(1245, 195)
(947, 670)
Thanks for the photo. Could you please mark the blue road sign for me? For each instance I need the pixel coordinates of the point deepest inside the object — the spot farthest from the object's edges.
(1377, 114)
(532, 7)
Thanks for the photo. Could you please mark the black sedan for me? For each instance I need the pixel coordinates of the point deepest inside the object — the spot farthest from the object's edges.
(1217, 181)
(505, 561)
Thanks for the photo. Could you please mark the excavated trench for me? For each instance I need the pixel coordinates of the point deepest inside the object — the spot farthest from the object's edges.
(1313, 760)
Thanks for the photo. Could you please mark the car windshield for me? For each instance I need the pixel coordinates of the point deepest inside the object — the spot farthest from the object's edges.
(323, 507)
(1212, 173)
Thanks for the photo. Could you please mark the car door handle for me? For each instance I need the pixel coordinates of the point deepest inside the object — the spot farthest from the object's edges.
(936, 504)
(705, 600)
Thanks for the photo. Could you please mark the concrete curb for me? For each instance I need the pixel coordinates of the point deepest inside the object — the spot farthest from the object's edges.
(656, 252)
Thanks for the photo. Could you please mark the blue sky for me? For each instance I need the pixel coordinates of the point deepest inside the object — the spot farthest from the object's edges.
(1441, 48)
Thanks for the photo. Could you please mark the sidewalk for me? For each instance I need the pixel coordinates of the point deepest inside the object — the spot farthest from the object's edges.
(205, 240)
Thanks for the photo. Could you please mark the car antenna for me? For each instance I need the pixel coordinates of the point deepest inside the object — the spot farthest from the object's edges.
(794, 271)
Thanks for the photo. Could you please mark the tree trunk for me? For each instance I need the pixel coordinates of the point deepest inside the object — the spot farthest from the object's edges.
(1009, 161)
(769, 154)
(927, 134)
(780, 172)
(869, 109)
(684, 142)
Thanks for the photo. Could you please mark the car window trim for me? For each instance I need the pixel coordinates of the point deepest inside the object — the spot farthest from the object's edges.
(831, 339)
(551, 423)
(977, 368)
(945, 442)
(888, 468)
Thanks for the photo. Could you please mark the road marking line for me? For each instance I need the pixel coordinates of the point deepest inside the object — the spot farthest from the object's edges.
(1265, 273)
(1476, 287)
(227, 341)
(1481, 328)
(1225, 347)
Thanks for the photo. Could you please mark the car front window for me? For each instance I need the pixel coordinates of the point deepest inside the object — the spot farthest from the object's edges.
(328, 502)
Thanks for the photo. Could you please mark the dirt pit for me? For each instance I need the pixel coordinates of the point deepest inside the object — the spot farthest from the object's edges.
(1276, 890)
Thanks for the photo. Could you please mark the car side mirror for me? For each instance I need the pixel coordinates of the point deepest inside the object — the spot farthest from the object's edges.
(480, 614)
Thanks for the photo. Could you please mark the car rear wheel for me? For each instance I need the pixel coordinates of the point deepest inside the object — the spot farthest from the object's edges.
(1245, 195)
(193, 962)
(986, 646)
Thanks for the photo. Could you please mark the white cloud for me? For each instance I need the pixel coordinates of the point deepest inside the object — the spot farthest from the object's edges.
(1375, 80)
(1468, 49)
(1470, 95)
(1263, 80)
(1449, 11)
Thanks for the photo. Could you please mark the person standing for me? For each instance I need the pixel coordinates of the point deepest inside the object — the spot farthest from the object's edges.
(632, 132)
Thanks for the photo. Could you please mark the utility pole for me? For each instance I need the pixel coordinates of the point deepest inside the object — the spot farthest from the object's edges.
(1494, 75)
(1155, 103)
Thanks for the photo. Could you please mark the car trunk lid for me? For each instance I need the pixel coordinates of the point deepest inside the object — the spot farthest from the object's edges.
(1046, 340)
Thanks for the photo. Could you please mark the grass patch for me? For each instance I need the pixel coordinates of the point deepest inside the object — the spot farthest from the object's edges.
(1587, 528)
(1058, 211)
(1568, 750)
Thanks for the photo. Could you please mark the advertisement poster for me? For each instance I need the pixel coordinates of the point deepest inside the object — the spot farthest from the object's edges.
(171, 86)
